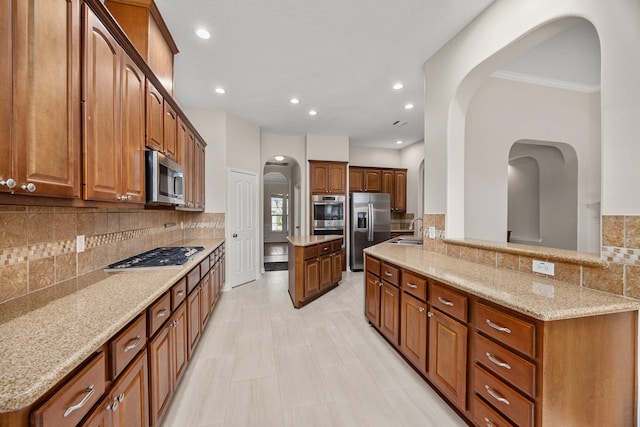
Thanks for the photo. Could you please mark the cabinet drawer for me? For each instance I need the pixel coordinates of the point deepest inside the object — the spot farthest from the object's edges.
(76, 397)
(204, 267)
(336, 245)
(311, 252)
(373, 265)
(505, 364)
(178, 293)
(193, 278)
(507, 329)
(414, 284)
(448, 301)
(485, 416)
(324, 249)
(158, 313)
(509, 402)
(124, 347)
(390, 273)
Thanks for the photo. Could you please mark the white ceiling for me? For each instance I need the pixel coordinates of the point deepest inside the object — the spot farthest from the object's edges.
(339, 57)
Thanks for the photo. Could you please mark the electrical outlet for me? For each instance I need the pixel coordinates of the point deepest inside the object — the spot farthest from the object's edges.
(543, 267)
(80, 243)
(431, 232)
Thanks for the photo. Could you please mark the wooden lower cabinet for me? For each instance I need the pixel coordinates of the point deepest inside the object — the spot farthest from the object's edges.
(127, 405)
(372, 285)
(313, 270)
(413, 330)
(205, 300)
(448, 356)
(193, 316)
(390, 312)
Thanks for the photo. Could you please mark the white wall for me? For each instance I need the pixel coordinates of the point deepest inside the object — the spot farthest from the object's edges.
(503, 112)
(211, 124)
(322, 147)
(243, 145)
(410, 158)
(501, 33)
(374, 157)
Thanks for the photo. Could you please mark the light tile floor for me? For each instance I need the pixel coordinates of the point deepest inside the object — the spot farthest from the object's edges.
(260, 362)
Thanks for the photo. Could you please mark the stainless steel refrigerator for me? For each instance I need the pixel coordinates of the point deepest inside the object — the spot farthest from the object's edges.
(370, 224)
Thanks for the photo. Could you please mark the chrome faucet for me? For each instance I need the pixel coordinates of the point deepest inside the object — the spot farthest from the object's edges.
(413, 222)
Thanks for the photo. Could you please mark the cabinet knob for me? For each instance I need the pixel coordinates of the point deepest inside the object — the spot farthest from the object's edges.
(30, 187)
(429, 314)
(9, 183)
(420, 309)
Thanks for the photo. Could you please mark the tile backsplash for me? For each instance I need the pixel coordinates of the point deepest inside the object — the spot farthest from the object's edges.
(38, 244)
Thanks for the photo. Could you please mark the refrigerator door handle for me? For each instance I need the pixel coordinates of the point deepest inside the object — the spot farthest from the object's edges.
(371, 222)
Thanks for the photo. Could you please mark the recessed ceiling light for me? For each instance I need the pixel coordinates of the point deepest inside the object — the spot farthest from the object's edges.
(398, 86)
(408, 106)
(220, 90)
(203, 34)
(279, 158)
(313, 112)
(398, 142)
(294, 101)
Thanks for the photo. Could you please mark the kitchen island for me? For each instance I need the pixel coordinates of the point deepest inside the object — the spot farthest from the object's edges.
(315, 266)
(503, 347)
(53, 337)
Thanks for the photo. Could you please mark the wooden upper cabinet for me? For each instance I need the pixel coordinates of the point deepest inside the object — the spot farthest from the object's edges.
(356, 179)
(155, 118)
(170, 131)
(387, 182)
(113, 119)
(44, 136)
(365, 179)
(6, 65)
(143, 24)
(328, 177)
(102, 136)
(372, 180)
(400, 190)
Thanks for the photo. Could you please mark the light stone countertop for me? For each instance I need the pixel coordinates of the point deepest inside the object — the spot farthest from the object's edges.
(312, 240)
(537, 297)
(46, 335)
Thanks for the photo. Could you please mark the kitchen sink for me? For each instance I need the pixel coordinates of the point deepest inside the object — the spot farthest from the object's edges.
(405, 241)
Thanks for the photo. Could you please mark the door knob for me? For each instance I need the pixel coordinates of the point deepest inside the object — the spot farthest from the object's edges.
(235, 235)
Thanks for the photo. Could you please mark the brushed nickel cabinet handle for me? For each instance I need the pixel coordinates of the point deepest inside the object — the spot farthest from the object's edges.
(162, 313)
(412, 286)
(445, 302)
(90, 390)
(498, 327)
(495, 395)
(488, 421)
(180, 293)
(386, 273)
(134, 343)
(498, 362)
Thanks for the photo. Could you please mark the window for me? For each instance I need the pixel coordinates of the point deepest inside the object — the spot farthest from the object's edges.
(277, 212)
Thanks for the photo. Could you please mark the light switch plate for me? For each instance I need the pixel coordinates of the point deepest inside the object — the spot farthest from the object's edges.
(80, 243)
(543, 267)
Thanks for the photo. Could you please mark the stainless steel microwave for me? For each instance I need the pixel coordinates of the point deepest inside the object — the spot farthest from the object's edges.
(165, 180)
(328, 212)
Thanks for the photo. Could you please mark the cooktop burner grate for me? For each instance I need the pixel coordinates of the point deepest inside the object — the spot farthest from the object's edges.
(165, 257)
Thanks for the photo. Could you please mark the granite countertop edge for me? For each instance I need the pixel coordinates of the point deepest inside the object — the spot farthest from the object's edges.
(24, 381)
(312, 240)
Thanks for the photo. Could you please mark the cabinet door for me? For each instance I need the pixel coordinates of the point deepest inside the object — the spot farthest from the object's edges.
(170, 131)
(6, 88)
(372, 180)
(201, 175)
(188, 163)
(133, 180)
(388, 186)
(179, 342)
(102, 131)
(337, 178)
(372, 299)
(155, 114)
(390, 312)
(46, 96)
(336, 267)
(448, 356)
(413, 330)
(193, 314)
(205, 304)
(131, 393)
(160, 373)
(99, 417)
(319, 178)
(356, 179)
(311, 278)
(325, 271)
(400, 191)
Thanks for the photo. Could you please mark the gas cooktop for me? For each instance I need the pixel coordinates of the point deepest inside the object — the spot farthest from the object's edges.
(166, 257)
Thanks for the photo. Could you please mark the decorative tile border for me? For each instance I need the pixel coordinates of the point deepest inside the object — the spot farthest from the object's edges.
(616, 255)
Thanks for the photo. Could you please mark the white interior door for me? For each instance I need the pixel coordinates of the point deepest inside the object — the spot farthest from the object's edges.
(242, 227)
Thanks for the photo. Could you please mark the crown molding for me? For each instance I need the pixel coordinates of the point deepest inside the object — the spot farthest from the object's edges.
(544, 81)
